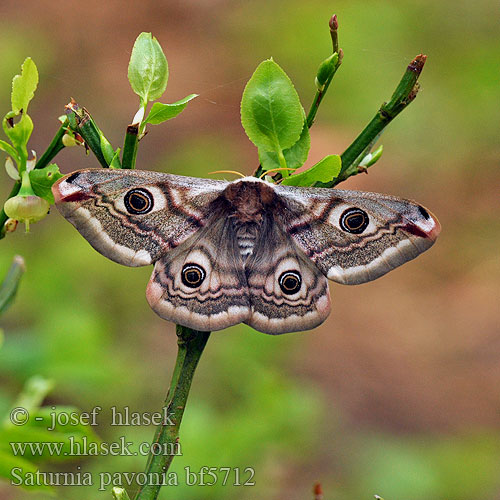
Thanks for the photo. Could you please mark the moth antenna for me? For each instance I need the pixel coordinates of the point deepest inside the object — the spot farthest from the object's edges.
(276, 170)
(226, 172)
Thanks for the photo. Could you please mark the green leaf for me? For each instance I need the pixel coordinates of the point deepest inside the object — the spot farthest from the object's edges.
(325, 170)
(115, 161)
(5, 146)
(19, 133)
(372, 158)
(19, 472)
(148, 68)
(271, 113)
(11, 170)
(160, 112)
(106, 148)
(24, 86)
(34, 392)
(8, 289)
(42, 180)
(295, 156)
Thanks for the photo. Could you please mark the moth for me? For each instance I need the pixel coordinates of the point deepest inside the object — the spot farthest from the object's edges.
(243, 251)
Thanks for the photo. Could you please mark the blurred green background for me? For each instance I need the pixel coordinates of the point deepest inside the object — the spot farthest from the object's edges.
(397, 394)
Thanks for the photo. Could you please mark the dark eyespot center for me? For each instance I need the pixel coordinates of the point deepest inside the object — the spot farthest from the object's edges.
(290, 282)
(193, 275)
(138, 201)
(424, 212)
(354, 220)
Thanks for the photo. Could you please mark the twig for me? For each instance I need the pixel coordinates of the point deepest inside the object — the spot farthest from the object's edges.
(320, 93)
(404, 94)
(81, 122)
(190, 347)
(130, 146)
(54, 147)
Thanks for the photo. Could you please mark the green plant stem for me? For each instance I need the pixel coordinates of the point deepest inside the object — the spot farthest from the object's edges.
(81, 122)
(54, 147)
(320, 94)
(190, 347)
(405, 93)
(130, 146)
(333, 25)
(90, 133)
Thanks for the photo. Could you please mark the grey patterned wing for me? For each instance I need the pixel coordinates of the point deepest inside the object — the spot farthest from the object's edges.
(131, 216)
(353, 236)
(288, 293)
(201, 284)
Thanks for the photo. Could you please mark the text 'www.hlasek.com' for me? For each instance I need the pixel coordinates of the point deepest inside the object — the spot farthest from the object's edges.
(76, 441)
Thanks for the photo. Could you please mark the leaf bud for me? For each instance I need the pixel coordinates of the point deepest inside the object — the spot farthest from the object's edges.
(326, 70)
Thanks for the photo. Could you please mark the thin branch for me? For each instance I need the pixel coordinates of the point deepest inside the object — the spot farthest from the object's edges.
(190, 347)
(405, 93)
(130, 146)
(55, 146)
(320, 93)
(81, 122)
